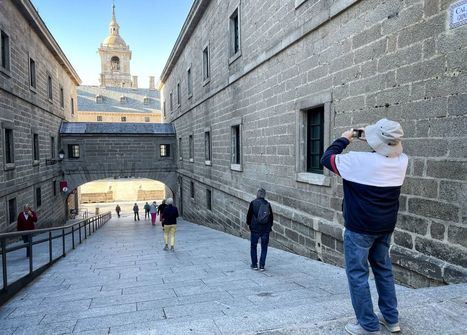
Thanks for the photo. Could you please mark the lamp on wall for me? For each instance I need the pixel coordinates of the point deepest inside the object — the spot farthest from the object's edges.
(52, 161)
(61, 155)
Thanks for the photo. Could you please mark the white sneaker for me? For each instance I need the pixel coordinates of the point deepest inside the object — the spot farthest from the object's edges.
(356, 329)
(392, 327)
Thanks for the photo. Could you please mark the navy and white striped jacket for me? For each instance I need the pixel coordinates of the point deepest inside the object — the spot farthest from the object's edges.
(372, 185)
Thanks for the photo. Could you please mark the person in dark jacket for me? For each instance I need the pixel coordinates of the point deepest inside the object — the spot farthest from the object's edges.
(118, 210)
(372, 185)
(147, 207)
(259, 219)
(169, 224)
(161, 208)
(26, 220)
(136, 211)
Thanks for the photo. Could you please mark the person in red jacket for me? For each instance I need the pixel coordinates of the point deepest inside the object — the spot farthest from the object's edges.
(26, 220)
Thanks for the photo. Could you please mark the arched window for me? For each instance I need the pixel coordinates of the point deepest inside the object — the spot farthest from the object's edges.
(115, 63)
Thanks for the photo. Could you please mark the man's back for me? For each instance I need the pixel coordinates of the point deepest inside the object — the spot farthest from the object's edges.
(252, 216)
(170, 215)
(372, 185)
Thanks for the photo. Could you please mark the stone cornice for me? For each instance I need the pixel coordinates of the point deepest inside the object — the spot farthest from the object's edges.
(31, 15)
(194, 16)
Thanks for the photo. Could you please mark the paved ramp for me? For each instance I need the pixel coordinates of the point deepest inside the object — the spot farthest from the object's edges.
(122, 282)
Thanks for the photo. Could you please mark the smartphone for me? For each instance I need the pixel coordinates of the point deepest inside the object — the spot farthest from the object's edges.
(357, 133)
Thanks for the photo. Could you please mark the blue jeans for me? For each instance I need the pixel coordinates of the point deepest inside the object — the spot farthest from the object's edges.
(360, 249)
(255, 236)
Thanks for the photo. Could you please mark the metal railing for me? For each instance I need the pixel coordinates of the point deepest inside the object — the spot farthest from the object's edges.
(79, 232)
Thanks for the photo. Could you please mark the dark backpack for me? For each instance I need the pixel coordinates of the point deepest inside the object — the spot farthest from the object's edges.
(263, 214)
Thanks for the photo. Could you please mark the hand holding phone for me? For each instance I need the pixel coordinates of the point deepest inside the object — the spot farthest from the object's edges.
(358, 133)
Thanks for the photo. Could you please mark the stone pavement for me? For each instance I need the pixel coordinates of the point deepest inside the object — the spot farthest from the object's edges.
(120, 281)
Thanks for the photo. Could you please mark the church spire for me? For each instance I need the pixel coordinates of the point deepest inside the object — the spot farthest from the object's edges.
(113, 26)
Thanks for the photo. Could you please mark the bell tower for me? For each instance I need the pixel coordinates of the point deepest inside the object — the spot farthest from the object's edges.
(115, 58)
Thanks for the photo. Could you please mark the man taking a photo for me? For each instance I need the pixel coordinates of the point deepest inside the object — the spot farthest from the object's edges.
(372, 185)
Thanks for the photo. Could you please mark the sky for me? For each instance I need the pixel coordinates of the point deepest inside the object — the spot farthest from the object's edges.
(149, 27)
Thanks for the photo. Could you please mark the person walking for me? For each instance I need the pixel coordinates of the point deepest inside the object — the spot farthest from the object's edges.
(169, 224)
(372, 185)
(118, 210)
(161, 208)
(259, 220)
(136, 211)
(147, 207)
(25, 221)
(153, 211)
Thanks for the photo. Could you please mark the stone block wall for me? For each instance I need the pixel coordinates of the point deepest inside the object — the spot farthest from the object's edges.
(364, 60)
(87, 198)
(28, 111)
(118, 156)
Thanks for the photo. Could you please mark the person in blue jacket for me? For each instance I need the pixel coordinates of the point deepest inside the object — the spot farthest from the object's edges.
(372, 185)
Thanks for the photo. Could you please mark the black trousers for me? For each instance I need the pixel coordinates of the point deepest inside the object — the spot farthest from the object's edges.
(26, 240)
(136, 215)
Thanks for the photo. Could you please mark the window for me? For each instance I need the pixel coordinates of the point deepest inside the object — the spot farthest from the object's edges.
(146, 100)
(208, 199)
(99, 99)
(123, 118)
(62, 99)
(206, 65)
(314, 139)
(180, 152)
(207, 147)
(12, 210)
(52, 147)
(147, 119)
(38, 197)
(115, 63)
(236, 145)
(35, 147)
(234, 33)
(123, 99)
(54, 188)
(72, 103)
(73, 151)
(165, 150)
(179, 99)
(163, 109)
(99, 118)
(189, 83)
(191, 147)
(9, 147)
(171, 101)
(32, 73)
(5, 51)
(192, 190)
(49, 87)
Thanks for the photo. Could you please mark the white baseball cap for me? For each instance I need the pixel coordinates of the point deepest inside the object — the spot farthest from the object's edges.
(385, 137)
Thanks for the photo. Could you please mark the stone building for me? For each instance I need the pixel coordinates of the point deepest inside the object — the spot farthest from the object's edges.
(118, 98)
(118, 104)
(115, 58)
(257, 89)
(37, 92)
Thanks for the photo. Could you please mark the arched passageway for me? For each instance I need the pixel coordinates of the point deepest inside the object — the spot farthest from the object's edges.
(105, 194)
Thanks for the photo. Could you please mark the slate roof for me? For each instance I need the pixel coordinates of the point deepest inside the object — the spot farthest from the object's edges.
(111, 99)
(120, 128)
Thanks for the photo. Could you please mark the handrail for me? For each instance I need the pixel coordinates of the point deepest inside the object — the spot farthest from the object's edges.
(89, 225)
(43, 230)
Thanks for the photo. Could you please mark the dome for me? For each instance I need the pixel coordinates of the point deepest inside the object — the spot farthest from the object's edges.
(114, 41)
